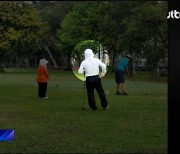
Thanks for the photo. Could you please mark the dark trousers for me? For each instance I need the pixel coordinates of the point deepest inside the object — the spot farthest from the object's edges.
(42, 88)
(94, 82)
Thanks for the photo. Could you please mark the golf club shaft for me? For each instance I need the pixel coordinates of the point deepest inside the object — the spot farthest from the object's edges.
(138, 86)
(84, 93)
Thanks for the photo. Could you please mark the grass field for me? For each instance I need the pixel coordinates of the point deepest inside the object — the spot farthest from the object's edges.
(133, 124)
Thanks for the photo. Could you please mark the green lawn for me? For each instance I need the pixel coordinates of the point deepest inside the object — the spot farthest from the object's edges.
(133, 124)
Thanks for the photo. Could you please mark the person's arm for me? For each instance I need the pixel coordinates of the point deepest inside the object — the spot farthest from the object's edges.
(126, 68)
(81, 68)
(127, 72)
(103, 66)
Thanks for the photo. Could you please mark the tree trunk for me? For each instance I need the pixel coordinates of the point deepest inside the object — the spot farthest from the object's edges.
(50, 54)
(155, 51)
(132, 64)
(133, 67)
(1, 69)
(11, 63)
(69, 63)
(113, 61)
(36, 61)
(162, 38)
(17, 62)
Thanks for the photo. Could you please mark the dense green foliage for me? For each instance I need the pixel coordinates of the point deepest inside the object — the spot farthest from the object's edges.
(20, 26)
(120, 26)
(147, 31)
(79, 48)
(54, 28)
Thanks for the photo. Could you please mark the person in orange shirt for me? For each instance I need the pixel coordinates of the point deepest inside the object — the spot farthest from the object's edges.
(42, 78)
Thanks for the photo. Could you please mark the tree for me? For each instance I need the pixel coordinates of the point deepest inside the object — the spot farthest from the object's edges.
(112, 27)
(53, 12)
(77, 26)
(147, 24)
(20, 27)
(119, 26)
(99, 21)
(79, 48)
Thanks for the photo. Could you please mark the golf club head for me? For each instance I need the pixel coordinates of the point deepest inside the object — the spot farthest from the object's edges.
(146, 93)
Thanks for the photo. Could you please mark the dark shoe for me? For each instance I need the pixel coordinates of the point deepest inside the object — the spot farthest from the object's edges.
(118, 93)
(124, 93)
(93, 109)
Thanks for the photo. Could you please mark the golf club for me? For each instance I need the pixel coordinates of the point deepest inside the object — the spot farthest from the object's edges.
(83, 108)
(139, 87)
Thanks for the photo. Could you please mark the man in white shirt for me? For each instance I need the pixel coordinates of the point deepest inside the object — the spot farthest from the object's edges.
(93, 80)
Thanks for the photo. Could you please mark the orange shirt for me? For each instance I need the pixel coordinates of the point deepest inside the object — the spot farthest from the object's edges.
(42, 74)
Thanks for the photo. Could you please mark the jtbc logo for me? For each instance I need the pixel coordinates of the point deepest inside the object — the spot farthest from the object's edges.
(174, 14)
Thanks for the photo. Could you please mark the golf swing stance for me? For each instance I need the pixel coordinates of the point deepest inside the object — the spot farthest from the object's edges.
(122, 68)
(93, 80)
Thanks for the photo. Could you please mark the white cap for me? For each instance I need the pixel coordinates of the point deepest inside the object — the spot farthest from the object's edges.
(43, 62)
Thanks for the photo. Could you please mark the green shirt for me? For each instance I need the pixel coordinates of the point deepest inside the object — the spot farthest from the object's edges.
(122, 64)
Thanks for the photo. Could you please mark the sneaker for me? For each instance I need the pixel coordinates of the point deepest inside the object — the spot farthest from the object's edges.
(45, 97)
(106, 108)
(118, 93)
(124, 93)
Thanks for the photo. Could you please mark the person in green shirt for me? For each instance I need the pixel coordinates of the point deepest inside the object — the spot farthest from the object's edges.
(122, 67)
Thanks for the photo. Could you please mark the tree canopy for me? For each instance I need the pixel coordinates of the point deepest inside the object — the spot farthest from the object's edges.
(60, 27)
(20, 26)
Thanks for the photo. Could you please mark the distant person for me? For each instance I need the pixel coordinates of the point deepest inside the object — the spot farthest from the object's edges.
(93, 79)
(42, 78)
(122, 67)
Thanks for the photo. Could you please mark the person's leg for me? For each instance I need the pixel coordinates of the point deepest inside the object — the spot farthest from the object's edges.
(39, 94)
(123, 87)
(44, 89)
(119, 81)
(117, 77)
(117, 87)
(90, 93)
(100, 91)
(40, 89)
